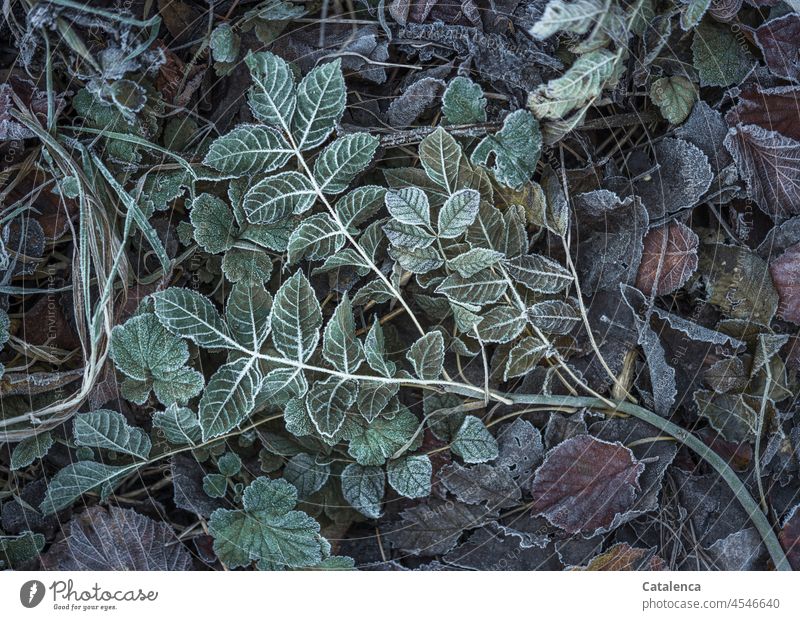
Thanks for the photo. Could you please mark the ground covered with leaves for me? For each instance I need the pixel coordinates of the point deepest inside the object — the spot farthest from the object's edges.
(404, 285)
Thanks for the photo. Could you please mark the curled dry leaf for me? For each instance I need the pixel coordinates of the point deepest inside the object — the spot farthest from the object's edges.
(668, 259)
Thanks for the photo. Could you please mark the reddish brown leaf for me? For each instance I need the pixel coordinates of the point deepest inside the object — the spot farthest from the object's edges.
(624, 557)
(785, 272)
(584, 483)
(670, 255)
(790, 537)
(778, 39)
(775, 109)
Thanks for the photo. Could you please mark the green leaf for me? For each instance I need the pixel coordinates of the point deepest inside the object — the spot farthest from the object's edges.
(189, 314)
(553, 316)
(247, 315)
(374, 397)
(178, 386)
(524, 357)
(277, 197)
(340, 346)
(416, 260)
(272, 95)
(296, 319)
(463, 102)
(718, 56)
(229, 397)
(283, 384)
(409, 206)
(577, 17)
(501, 324)
(320, 103)
(347, 257)
(674, 96)
(375, 350)
(410, 476)
(380, 439)
(267, 529)
(363, 488)
(342, 160)
(358, 205)
(229, 464)
(427, 356)
(142, 348)
(482, 288)
(440, 155)
(473, 442)
(16, 550)
(471, 262)
(693, 12)
(215, 485)
(458, 213)
(539, 274)
(516, 148)
(316, 238)
(179, 425)
(30, 449)
(329, 401)
(224, 43)
(214, 227)
(108, 429)
(407, 236)
(79, 478)
(306, 474)
(247, 150)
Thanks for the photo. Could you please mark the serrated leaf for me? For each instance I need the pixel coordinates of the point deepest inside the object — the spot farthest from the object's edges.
(272, 95)
(306, 474)
(329, 401)
(539, 274)
(483, 287)
(267, 529)
(340, 346)
(363, 488)
(188, 314)
(358, 205)
(281, 385)
(342, 160)
(178, 386)
(248, 150)
(15, 551)
(577, 17)
(379, 440)
(458, 212)
(374, 397)
(427, 356)
(214, 227)
(553, 317)
(463, 102)
(108, 429)
(473, 442)
(375, 350)
(674, 96)
(229, 397)
(481, 483)
(321, 99)
(347, 257)
(296, 319)
(410, 476)
(30, 449)
(501, 324)
(247, 315)
(142, 348)
(415, 260)
(179, 425)
(524, 357)
(78, 478)
(516, 148)
(407, 236)
(693, 12)
(440, 155)
(471, 262)
(717, 55)
(409, 205)
(316, 238)
(277, 197)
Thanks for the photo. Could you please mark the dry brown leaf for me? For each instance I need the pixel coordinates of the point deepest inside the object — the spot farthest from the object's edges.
(669, 256)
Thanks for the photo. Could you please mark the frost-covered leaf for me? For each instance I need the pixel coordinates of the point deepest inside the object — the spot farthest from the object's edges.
(329, 401)
(316, 237)
(214, 227)
(576, 17)
(16, 551)
(410, 476)
(482, 483)
(516, 148)
(458, 212)
(469, 263)
(272, 95)
(281, 385)
(554, 316)
(215, 485)
(248, 150)
(30, 449)
(777, 39)
(539, 273)
(463, 102)
(785, 271)
(267, 529)
(81, 477)
(718, 56)
(188, 314)
(224, 43)
(296, 319)
(674, 96)
(374, 397)
(692, 12)
(427, 356)
(277, 197)
(358, 205)
(524, 357)
(584, 483)
(669, 258)
(247, 315)
(473, 442)
(409, 205)
(363, 488)
(108, 429)
(142, 348)
(520, 449)
(375, 351)
(407, 236)
(440, 155)
(481, 288)
(342, 160)
(729, 414)
(179, 425)
(382, 437)
(340, 346)
(321, 99)
(415, 260)
(229, 397)
(501, 324)
(306, 474)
